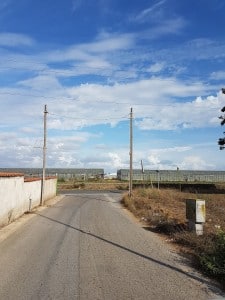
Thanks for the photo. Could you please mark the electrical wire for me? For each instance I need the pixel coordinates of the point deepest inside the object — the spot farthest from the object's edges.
(93, 119)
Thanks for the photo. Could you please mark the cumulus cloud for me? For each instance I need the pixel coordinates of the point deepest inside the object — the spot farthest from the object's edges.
(41, 83)
(13, 40)
(195, 163)
(77, 109)
(154, 102)
(154, 160)
(198, 113)
(219, 75)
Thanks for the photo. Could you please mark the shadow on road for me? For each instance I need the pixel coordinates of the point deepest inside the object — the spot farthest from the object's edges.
(199, 279)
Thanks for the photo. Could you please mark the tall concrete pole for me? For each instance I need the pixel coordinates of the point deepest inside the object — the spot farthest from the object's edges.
(44, 156)
(131, 153)
(142, 172)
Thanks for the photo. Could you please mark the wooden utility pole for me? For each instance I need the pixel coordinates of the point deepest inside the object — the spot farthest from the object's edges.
(44, 155)
(131, 153)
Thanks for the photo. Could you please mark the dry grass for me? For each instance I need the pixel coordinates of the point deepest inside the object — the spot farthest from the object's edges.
(156, 206)
(92, 185)
(165, 211)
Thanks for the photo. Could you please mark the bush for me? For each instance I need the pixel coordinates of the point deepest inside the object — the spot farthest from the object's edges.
(61, 179)
(122, 187)
(213, 260)
(76, 185)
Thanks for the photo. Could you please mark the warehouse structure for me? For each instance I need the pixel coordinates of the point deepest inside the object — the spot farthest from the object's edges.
(172, 175)
(65, 173)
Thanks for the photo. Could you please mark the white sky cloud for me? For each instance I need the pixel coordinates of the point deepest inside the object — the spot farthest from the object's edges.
(195, 163)
(91, 78)
(157, 67)
(14, 39)
(150, 12)
(219, 75)
(154, 102)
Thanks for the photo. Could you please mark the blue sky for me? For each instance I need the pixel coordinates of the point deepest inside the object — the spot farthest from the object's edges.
(90, 61)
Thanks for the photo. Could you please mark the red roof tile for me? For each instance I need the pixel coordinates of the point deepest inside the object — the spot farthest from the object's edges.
(11, 174)
(30, 179)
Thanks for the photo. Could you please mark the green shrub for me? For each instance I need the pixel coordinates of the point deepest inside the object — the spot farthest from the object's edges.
(61, 179)
(213, 260)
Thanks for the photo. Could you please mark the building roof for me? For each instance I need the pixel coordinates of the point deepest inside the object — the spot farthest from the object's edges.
(6, 174)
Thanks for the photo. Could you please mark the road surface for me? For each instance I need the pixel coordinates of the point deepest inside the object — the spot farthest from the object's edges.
(87, 247)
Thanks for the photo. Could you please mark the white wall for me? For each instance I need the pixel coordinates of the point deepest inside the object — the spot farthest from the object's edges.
(11, 198)
(32, 194)
(18, 197)
(50, 188)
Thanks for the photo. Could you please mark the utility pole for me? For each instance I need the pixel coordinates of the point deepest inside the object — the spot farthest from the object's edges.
(158, 178)
(44, 155)
(143, 175)
(131, 153)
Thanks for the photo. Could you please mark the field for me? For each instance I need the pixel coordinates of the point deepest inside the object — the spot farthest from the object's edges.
(156, 206)
(93, 184)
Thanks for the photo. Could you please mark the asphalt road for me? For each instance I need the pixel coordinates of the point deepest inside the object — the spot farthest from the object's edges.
(87, 247)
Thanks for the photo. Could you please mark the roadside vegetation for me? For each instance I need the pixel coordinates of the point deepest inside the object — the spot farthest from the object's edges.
(92, 184)
(164, 211)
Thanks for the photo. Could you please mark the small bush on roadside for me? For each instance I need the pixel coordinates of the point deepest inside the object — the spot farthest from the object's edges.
(61, 179)
(122, 187)
(208, 251)
(76, 185)
(212, 259)
(143, 192)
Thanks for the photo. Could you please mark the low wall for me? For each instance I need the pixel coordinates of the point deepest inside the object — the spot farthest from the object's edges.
(18, 196)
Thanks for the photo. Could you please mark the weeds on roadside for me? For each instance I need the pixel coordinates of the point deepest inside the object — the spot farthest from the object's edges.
(212, 259)
(165, 211)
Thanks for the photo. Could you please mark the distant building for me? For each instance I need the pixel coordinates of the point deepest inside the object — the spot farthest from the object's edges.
(173, 175)
(80, 174)
(110, 176)
(66, 173)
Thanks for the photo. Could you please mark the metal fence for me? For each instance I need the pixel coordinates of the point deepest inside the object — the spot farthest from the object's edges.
(173, 175)
(65, 173)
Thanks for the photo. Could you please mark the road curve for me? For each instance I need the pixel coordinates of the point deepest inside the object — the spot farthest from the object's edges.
(86, 247)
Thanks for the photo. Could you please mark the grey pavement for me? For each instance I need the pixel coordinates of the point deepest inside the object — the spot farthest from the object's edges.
(87, 247)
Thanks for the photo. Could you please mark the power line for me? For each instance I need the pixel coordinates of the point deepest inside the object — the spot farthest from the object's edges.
(94, 119)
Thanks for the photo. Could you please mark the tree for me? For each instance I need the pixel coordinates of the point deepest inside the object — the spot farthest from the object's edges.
(221, 141)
